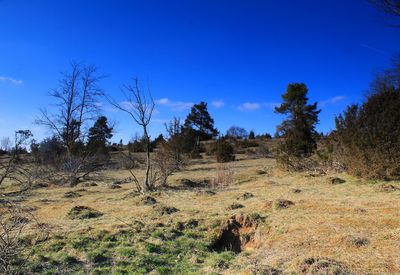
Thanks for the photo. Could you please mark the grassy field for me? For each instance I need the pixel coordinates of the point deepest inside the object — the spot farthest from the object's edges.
(263, 222)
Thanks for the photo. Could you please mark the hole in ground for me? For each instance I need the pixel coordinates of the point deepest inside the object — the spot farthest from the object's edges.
(236, 235)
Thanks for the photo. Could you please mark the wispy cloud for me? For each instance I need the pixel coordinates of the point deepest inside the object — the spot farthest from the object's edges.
(252, 106)
(249, 106)
(374, 49)
(271, 105)
(332, 100)
(10, 80)
(218, 104)
(174, 105)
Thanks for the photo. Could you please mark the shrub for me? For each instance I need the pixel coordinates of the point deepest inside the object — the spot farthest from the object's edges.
(367, 137)
(224, 177)
(49, 151)
(224, 151)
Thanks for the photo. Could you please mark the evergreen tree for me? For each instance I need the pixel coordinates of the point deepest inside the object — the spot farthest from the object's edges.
(201, 122)
(99, 135)
(252, 135)
(298, 130)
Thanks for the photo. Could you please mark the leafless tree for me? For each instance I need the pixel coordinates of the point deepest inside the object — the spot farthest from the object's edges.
(76, 103)
(175, 141)
(15, 222)
(5, 144)
(9, 165)
(391, 7)
(139, 105)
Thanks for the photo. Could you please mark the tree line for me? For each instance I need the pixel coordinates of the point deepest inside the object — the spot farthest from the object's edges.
(365, 142)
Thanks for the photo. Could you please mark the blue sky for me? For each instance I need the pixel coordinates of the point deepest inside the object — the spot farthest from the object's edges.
(238, 56)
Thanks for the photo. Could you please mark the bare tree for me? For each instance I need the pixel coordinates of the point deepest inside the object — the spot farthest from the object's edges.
(15, 223)
(9, 166)
(139, 105)
(76, 103)
(391, 7)
(5, 144)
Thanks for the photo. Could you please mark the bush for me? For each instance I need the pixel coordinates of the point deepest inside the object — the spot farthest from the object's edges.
(49, 151)
(367, 136)
(224, 151)
(247, 143)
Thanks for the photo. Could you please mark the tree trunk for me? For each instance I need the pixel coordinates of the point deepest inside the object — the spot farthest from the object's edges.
(147, 183)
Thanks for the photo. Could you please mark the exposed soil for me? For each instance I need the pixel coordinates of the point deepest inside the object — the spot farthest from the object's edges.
(236, 235)
(322, 266)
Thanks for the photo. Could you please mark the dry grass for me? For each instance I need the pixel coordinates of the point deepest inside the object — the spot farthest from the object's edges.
(324, 220)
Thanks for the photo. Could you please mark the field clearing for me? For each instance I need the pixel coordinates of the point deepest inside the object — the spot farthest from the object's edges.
(356, 224)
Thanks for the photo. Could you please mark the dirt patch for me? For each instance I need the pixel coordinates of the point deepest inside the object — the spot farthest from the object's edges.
(83, 212)
(322, 266)
(72, 194)
(146, 200)
(191, 184)
(271, 182)
(265, 270)
(282, 204)
(40, 185)
(122, 181)
(165, 210)
(261, 172)
(235, 205)
(88, 184)
(245, 196)
(236, 235)
(132, 194)
(205, 193)
(296, 191)
(359, 241)
(336, 180)
(385, 187)
(190, 224)
(115, 186)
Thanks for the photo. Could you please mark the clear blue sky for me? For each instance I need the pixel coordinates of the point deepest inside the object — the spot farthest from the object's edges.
(238, 56)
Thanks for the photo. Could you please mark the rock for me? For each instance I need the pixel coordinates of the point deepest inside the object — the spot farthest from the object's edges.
(147, 200)
(245, 196)
(282, 204)
(336, 180)
(72, 194)
(115, 186)
(235, 206)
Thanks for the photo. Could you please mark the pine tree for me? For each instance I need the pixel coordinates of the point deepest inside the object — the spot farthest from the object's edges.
(252, 135)
(201, 122)
(298, 130)
(99, 135)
